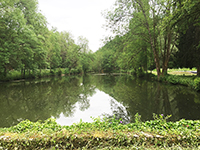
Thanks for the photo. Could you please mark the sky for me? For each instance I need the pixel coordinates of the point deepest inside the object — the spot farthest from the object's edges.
(79, 17)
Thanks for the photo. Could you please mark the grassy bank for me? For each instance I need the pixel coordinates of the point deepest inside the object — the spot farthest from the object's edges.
(180, 77)
(103, 134)
(179, 71)
(16, 75)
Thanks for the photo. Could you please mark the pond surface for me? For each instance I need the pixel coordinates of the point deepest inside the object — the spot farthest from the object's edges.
(69, 99)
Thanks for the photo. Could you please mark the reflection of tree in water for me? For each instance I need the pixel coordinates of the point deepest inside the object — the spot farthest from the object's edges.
(84, 102)
(87, 90)
(145, 97)
(39, 100)
(118, 111)
(187, 104)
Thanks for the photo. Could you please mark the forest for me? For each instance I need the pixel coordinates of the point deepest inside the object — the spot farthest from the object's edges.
(149, 34)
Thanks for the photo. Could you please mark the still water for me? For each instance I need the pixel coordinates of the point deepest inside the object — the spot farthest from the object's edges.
(69, 99)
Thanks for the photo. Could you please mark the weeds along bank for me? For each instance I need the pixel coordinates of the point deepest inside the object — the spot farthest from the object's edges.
(190, 81)
(176, 77)
(102, 133)
(182, 76)
(37, 73)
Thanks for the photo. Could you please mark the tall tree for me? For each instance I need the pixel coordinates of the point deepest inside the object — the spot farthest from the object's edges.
(66, 42)
(12, 23)
(187, 18)
(54, 50)
(147, 16)
(84, 51)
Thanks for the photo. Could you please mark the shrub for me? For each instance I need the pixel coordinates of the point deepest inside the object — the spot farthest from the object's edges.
(37, 73)
(197, 84)
(66, 70)
(59, 72)
(52, 72)
(75, 71)
(102, 133)
(173, 79)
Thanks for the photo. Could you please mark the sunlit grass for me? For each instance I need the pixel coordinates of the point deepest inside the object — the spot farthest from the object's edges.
(179, 71)
(181, 77)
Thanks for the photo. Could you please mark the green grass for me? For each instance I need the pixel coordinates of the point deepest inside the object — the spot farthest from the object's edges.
(179, 71)
(103, 134)
(180, 77)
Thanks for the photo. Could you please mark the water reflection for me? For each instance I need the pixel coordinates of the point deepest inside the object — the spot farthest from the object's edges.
(39, 100)
(69, 99)
(146, 97)
(100, 103)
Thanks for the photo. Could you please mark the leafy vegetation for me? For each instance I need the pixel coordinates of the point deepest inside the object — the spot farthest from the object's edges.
(151, 34)
(181, 78)
(27, 46)
(101, 134)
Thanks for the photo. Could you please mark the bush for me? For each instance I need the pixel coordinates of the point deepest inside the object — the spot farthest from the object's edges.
(52, 72)
(37, 73)
(173, 79)
(59, 72)
(197, 84)
(75, 71)
(102, 133)
(66, 70)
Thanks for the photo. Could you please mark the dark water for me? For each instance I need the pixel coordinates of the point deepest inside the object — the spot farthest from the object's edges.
(69, 99)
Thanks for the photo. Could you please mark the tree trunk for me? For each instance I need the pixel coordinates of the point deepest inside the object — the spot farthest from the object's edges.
(198, 71)
(5, 71)
(165, 65)
(24, 72)
(156, 59)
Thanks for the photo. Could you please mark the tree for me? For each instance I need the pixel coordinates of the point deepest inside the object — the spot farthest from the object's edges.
(189, 52)
(187, 18)
(105, 59)
(66, 42)
(12, 23)
(54, 49)
(23, 31)
(147, 16)
(84, 53)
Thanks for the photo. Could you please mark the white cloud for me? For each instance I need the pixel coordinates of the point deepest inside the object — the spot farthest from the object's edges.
(80, 17)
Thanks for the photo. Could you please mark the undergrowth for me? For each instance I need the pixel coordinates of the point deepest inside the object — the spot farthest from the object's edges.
(37, 73)
(102, 134)
(190, 81)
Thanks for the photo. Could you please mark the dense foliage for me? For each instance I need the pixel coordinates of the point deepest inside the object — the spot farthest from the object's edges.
(101, 134)
(27, 45)
(152, 34)
(149, 34)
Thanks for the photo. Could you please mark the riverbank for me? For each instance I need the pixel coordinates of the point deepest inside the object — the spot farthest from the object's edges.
(191, 81)
(16, 75)
(102, 134)
(184, 76)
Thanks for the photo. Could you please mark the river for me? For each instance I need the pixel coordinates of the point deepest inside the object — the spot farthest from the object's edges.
(69, 99)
